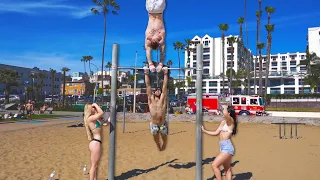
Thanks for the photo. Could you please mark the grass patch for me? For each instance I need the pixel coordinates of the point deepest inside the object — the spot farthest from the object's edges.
(35, 117)
(294, 109)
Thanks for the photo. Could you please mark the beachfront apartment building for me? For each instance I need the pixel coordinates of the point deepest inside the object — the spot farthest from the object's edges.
(285, 77)
(213, 64)
(26, 80)
(314, 40)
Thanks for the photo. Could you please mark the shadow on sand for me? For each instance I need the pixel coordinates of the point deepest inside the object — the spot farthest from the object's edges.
(137, 172)
(137, 131)
(177, 133)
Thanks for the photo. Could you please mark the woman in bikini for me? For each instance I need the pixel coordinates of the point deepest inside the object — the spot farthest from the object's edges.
(92, 114)
(226, 130)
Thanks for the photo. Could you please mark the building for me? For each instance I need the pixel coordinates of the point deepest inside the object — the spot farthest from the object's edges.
(76, 76)
(41, 80)
(212, 62)
(285, 76)
(314, 40)
(74, 88)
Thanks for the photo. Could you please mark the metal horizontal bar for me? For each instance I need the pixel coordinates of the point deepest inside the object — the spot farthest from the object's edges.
(142, 68)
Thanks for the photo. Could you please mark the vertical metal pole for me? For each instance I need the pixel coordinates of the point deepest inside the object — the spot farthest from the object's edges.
(291, 132)
(113, 111)
(167, 114)
(199, 113)
(124, 112)
(284, 130)
(280, 131)
(135, 84)
(296, 131)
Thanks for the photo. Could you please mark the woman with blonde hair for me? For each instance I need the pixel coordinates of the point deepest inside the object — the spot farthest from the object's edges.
(92, 114)
(227, 128)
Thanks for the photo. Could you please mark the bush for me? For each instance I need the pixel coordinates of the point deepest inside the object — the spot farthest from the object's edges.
(292, 96)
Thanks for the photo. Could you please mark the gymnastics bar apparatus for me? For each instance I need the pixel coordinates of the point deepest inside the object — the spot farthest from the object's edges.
(113, 112)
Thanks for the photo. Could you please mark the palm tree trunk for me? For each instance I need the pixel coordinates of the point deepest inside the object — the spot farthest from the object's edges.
(260, 73)
(267, 63)
(231, 73)
(64, 88)
(247, 43)
(104, 43)
(223, 62)
(84, 64)
(179, 73)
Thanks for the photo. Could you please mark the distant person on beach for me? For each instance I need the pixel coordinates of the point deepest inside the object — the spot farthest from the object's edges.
(226, 130)
(92, 114)
(157, 102)
(29, 110)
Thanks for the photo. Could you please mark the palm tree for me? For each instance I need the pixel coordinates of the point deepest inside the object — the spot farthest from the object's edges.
(223, 28)
(9, 78)
(247, 45)
(169, 63)
(32, 76)
(104, 7)
(270, 29)
(88, 59)
(240, 22)
(258, 15)
(231, 41)
(84, 63)
(41, 76)
(53, 72)
(109, 65)
(260, 46)
(243, 56)
(178, 46)
(64, 70)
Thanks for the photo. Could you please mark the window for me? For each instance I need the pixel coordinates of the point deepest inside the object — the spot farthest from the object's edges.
(204, 84)
(253, 102)
(229, 57)
(206, 50)
(275, 91)
(283, 58)
(205, 71)
(213, 83)
(274, 64)
(303, 68)
(289, 90)
(194, 57)
(204, 91)
(284, 63)
(206, 56)
(293, 63)
(193, 84)
(212, 91)
(293, 69)
(194, 64)
(206, 43)
(229, 50)
(243, 100)
(206, 63)
(235, 100)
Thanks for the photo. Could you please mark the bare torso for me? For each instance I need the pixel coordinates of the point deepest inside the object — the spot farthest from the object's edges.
(29, 107)
(157, 108)
(155, 26)
(226, 135)
(96, 132)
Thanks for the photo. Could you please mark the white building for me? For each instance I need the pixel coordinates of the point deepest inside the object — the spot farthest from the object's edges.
(76, 76)
(212, 62)
(285, 77)
(122, 76)
(314, 40)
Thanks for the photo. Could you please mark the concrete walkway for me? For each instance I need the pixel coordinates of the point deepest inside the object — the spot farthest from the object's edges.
(294, 114)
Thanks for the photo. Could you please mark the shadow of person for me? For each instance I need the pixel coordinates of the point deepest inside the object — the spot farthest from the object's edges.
(137, 172)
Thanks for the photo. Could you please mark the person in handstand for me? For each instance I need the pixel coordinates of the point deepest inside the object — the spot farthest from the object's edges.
(157, 102)
(155, 32)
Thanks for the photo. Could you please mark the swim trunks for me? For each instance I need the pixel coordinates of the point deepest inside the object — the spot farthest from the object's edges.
(163, 129)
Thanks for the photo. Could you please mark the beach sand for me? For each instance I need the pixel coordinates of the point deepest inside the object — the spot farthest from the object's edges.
(33, 153)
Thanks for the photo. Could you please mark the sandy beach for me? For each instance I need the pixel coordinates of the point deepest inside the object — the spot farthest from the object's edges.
(33, 152)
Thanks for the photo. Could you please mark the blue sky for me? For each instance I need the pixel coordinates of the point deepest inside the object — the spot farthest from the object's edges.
(57, 33)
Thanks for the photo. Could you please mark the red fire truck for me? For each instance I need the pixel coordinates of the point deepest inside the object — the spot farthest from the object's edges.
(210, 102)
(248, 105)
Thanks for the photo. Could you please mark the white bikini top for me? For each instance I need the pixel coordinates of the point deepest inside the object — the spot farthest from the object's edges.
(225, 128)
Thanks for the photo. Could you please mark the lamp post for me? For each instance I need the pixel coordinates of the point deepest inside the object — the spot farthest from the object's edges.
(135, 83)
(96, 81)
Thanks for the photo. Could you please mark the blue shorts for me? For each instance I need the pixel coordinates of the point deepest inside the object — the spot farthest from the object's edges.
(163, 129)
(227, 147)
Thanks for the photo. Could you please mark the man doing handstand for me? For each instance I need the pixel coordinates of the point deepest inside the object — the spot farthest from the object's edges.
(157, 102)
(155, 33)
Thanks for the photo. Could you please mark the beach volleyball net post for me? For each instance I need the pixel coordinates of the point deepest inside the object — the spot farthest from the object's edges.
(199, 116)
(113, 111)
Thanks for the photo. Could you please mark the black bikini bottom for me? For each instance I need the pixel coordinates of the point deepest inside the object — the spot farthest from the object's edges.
(96, 140)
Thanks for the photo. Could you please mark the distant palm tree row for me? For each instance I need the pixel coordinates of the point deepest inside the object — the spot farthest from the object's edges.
(10, 78)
